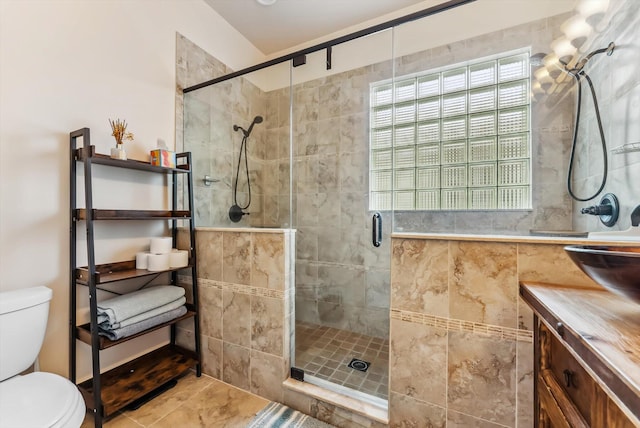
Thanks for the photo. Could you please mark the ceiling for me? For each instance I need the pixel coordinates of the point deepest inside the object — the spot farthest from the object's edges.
(289, 23)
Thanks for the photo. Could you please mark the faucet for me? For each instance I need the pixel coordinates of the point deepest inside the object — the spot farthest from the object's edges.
(635, 216)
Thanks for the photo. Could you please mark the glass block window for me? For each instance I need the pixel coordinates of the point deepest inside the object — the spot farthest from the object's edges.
(454, 138)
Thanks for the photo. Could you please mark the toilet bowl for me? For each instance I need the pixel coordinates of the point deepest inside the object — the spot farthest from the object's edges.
(36, 399)
(40, 400)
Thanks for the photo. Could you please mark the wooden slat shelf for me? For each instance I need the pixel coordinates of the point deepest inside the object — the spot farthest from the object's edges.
(111, 272)
(97, 158)
(84, 332)
(130, 381)
(81, 214)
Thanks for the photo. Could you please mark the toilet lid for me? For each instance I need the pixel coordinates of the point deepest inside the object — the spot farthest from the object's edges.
(36, 400)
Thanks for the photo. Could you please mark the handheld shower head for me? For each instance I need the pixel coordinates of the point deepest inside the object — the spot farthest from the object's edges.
(257, 119)
(236, 211)
(246, 132)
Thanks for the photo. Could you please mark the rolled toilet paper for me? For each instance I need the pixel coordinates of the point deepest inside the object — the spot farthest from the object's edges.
(141, 260)
(161, 245)
(157, 262)
(178, 258)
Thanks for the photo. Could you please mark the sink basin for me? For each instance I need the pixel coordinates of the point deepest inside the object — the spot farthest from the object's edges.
(616, 268)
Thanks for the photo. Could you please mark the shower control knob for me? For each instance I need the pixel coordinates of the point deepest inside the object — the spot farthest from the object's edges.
(597, 210)
(608, 210)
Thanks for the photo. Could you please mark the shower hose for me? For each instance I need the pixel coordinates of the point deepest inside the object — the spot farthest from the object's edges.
(243, 146)
(605, 161)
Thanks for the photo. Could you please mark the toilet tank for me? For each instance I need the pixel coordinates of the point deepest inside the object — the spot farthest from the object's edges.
(23, 322)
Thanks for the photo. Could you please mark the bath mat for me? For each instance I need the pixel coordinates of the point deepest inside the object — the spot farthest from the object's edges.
(277, 415)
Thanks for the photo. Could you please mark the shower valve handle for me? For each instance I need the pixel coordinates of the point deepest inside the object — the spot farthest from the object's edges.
(608, 210)
(597, 210)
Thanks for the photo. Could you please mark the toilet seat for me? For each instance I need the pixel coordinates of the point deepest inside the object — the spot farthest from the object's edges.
(40, 400)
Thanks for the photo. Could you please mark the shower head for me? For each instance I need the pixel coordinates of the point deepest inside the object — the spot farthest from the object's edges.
(257, 119)
(247, 132)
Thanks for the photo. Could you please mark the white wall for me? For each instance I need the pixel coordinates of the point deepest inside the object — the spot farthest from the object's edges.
(64, 65)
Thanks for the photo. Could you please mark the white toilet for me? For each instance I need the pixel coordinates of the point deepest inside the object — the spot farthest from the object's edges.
(34, 400)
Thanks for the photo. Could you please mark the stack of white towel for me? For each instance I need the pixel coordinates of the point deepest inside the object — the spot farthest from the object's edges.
(134, 312)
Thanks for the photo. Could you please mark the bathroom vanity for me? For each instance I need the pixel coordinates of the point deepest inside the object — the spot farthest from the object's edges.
(587, 357)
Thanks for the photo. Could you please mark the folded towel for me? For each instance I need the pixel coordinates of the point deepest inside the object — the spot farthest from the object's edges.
(128, 305)
(132, 329)
(106, 325)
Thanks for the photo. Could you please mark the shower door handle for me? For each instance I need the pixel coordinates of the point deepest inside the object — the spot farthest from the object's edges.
(376, 229)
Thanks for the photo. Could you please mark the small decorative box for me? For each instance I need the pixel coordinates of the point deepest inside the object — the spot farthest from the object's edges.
(165, 158)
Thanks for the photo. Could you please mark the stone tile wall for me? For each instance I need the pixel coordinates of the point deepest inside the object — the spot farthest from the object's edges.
(341, 280)
(206, 118)
(461, 338)
(245, 307)
(551, 131)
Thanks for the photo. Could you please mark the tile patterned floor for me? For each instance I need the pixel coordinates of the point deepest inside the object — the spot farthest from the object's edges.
(325, 352)
(193, 402)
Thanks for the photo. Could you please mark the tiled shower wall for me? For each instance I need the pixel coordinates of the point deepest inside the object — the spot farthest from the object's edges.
(245, 307)
(551, 130)
(461, 338)
(617, 82)
(341, 280)
(209, 115)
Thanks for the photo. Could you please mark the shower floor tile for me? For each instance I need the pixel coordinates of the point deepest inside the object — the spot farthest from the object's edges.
(324, 352)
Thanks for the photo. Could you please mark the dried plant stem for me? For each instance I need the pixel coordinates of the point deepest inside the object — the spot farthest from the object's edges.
(119, 130)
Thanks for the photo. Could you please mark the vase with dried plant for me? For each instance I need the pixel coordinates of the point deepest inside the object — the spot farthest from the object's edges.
(119, 132)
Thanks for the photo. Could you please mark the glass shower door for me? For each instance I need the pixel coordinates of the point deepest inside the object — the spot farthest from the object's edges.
(342, 278)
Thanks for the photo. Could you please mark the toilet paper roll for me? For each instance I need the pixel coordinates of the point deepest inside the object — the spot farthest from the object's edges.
(178, 258)
(141, 260)
(161, 245)
(157, 262)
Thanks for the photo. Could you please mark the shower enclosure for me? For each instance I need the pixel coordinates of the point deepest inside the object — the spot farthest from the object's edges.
(340, 150)
(242, 178)
(342, 278)
(308, 173)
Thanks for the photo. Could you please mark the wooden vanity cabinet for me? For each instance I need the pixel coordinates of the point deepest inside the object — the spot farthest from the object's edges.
(587, 357)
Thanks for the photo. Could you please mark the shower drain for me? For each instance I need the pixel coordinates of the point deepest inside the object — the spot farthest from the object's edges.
(359, 365)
